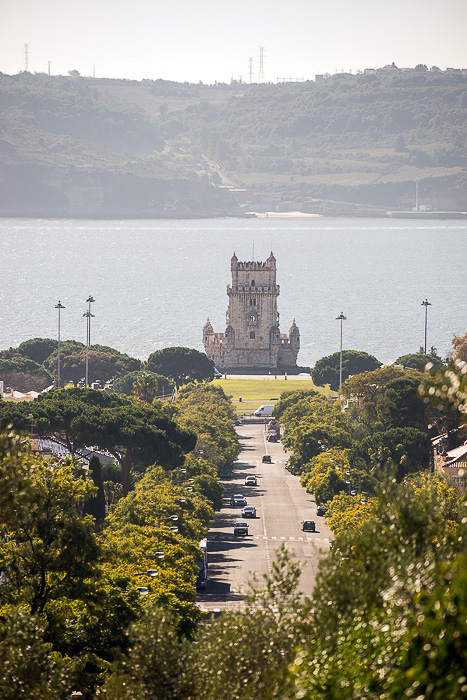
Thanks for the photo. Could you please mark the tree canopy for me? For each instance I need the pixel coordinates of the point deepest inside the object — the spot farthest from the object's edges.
(135, 433)
(183, 365)
(327, 369)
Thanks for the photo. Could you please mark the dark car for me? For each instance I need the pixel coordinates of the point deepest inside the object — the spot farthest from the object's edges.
(321, 510)
(249, 512)
(308, 526)
(238, 500)
(267, 459)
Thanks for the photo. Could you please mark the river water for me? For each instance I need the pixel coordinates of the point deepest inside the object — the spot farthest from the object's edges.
(156, 282)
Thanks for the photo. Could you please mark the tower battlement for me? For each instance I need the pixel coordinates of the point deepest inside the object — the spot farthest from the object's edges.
(252, 338)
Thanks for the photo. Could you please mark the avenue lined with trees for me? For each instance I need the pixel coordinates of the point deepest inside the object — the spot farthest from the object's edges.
(104, 599)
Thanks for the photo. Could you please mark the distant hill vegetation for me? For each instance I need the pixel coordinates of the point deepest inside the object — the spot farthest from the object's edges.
(342, 145)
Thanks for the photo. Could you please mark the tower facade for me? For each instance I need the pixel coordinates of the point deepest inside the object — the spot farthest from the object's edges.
(252, 338)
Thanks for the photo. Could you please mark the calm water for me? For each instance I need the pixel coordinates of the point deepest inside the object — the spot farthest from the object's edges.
(156, 282)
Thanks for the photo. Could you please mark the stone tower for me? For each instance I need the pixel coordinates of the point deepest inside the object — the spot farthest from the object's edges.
(252, 340)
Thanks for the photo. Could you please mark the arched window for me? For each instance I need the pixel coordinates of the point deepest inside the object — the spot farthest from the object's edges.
(252, 335)
(252, 283)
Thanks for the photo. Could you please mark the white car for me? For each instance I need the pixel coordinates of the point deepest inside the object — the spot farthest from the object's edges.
(251, 481)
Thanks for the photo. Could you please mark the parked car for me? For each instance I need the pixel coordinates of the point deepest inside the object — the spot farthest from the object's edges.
(240, 528)
(249, 512)
(238, 500)
(251, 481)
(217, 374)
(321, 509)
(308, 526)
(267, 459)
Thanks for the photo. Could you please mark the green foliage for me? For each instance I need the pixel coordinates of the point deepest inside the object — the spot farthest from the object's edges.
(349, 138)
(47, 548)
(205, 409)
(327, 369)
(392, 454)
(135, 433)
(95, 504)
(38, 349)
(183, 365)
(311, 424)
(125, 384)
(250, 651)
(104, 363)
(447, 389)
(24, 374)
(419, 361)
(389, 615)
(155, 661)
(29, 668)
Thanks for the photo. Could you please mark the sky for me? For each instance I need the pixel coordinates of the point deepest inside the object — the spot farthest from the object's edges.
(211, 40)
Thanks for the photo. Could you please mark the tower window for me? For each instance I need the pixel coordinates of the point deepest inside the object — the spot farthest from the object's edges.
(252, 335)
(252, 283)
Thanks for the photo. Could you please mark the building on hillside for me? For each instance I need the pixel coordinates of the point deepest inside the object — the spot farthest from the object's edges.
(252, 341)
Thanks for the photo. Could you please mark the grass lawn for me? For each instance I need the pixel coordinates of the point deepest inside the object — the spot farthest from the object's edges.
(255, 392)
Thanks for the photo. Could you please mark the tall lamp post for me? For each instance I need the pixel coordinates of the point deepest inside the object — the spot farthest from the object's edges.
(426, 304)
(88, 315)
(340, 318)
(58, 306)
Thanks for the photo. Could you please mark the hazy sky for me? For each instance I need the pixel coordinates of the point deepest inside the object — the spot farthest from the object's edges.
(211, 40)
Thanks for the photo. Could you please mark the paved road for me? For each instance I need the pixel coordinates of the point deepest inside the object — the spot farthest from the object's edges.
(281, 504)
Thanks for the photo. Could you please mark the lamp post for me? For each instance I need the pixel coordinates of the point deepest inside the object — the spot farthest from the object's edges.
(88, 315)
(58, 306)
(426, 304)
(340, 318)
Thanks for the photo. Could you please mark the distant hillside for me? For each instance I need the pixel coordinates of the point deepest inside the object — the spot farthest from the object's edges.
(346, 144)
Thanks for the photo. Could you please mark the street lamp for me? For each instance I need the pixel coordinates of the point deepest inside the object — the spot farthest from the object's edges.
(426, 304)
(88, 315)
(58, 306)
(340, 318)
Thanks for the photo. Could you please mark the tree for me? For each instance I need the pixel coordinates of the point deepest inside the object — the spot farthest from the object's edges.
(133, 432)
(47, 548)
(24, 374)
(155, 661)
(104, 364)
(460, 347)
(183, 365)
(382, 621)
(392, 454)
(419, 361)
(125, 383)
(327, 369)
(205, 409)
(145, 387)
(29, 668)
(95, 504)
(38, 349)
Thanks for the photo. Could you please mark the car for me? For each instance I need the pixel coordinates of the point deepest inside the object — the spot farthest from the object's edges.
(240, 528)
(267, 459)
(308, 526)
(249, 512)
(251, 480)
(217, 374)
(238, 500)
(321, 509)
